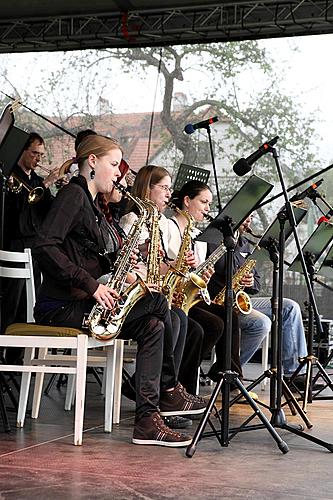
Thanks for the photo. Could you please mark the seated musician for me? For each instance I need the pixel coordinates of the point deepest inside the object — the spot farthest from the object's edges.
(154, 183)
(256, 325)
(70, 250)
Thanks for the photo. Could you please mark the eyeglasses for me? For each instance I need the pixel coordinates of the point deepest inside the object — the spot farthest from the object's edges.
(165, 188)
(36, 153)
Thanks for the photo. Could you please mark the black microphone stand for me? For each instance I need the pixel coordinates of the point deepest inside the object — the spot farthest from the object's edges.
(278, 418)
(227, 376)
(278, 386)
(219, 206)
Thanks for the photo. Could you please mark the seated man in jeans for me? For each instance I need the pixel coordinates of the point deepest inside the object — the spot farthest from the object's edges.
(257, 325)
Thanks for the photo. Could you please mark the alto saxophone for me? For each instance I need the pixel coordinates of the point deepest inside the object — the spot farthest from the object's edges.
(242, 301)
(103, 323)
(204, 266)
(179, 284)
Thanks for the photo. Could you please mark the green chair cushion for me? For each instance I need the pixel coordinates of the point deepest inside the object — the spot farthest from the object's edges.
(41, 330)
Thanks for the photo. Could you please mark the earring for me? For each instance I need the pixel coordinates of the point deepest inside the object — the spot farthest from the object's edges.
(92, 174)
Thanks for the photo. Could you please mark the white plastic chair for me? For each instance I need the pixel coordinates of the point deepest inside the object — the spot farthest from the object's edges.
(31, 336)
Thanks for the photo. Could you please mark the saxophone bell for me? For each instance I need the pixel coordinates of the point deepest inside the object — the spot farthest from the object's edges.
(243, 302)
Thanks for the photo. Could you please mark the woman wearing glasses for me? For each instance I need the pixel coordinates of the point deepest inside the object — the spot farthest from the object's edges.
(154, 183)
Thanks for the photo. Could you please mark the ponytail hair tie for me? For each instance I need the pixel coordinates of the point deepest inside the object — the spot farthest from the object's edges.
(74, 159)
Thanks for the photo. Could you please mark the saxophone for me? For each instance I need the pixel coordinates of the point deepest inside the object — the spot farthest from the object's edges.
(242, 300)
(153, 257)
(194, 298)
(103, 323)
(179, 274)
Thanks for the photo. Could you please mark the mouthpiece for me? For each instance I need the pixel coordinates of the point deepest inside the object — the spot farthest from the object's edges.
(249, 230)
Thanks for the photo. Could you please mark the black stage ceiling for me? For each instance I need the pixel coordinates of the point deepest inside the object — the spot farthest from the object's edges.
(39, 25)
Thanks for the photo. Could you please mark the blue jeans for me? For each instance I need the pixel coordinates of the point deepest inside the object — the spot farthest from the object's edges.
(257, 325)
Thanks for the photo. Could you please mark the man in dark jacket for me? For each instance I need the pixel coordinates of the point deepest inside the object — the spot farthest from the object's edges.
(23, 216)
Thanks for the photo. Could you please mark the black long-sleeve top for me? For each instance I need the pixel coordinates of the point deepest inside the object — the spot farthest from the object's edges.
(67, 248)
(22, 220)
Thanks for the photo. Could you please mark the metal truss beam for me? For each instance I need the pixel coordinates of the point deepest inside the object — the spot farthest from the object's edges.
(219, 22)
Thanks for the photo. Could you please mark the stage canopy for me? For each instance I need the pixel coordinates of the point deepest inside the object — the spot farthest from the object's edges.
(39, 25)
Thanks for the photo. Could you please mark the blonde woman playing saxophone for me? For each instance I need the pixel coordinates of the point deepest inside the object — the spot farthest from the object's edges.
(70, 250)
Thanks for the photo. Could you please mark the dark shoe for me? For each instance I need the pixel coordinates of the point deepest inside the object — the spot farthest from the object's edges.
(151, 429)
(298, 384)
(128, 390)
(179, 402)
(176, 422)
(214, 373)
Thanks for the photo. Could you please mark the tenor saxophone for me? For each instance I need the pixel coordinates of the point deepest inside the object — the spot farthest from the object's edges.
(103, 323)
(242, 301)
(179, 283)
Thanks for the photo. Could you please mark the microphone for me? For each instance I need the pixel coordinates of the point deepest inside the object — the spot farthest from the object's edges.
(189, 128)
(243, 166)
(309, 192)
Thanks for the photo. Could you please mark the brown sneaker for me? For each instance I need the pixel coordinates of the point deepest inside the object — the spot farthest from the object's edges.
(151, 429)
(180, 402)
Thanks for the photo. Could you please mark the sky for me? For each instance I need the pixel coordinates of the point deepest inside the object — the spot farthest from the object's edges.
(307, 75)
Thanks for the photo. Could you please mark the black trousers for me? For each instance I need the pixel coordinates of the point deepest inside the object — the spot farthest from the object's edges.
(204, 330)
(149, 323)
(220, 345)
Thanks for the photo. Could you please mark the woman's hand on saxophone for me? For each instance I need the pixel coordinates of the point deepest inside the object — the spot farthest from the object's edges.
(105, 296)
(191, 259)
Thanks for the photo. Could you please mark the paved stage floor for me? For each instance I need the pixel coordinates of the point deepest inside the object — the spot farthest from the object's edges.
(40, 461)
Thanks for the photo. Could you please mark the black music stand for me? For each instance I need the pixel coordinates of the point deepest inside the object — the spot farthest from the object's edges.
(249, 196)
(190, 173)
(12, 143)
(232, 216)
(312, 250)
(270, 243)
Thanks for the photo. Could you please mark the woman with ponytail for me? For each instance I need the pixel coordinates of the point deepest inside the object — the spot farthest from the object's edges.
(70, 249)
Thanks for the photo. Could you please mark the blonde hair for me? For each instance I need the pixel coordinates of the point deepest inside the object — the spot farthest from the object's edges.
(99, 145)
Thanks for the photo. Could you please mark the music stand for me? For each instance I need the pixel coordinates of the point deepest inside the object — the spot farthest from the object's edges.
(251, 194)
(12, 143)
(230, 217)
(272, 232)
(312, 251)
(190, 173)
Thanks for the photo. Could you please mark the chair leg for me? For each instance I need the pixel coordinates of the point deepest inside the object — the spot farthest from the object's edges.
(81, 369)
(39, 379)
(111, 357)
(70, 392)
(264, 360)
(29, 353)
(118, 378)
(3, 410)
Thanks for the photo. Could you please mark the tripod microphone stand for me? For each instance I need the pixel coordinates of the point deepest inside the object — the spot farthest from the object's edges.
(227, 376)
(278, 418)
(278, 386)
